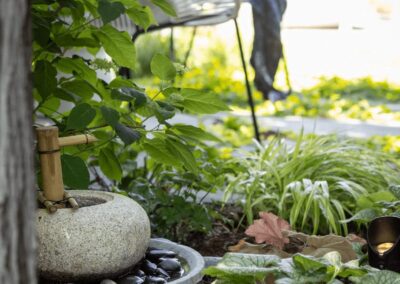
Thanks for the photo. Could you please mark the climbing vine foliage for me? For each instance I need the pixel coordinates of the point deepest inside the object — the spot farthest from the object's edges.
(68, 90)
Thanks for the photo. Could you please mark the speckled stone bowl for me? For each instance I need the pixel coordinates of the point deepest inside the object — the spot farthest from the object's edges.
(93, 242)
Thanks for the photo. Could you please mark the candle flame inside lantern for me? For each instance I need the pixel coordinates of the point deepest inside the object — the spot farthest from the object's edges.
(384, 247)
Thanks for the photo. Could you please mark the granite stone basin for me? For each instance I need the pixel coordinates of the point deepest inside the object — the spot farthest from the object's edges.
(101, 240)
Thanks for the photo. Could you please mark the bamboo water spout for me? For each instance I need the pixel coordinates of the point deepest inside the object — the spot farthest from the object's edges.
(49, 146)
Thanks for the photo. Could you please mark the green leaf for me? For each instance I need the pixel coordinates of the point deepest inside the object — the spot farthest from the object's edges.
(78, 67)
(109, 11)
(195, 132)
(371, 199)
(165, 6)
(141, 15)
(67, 40)
(109, 164)
(162, 67)
(127, 135)
(129, 94)
(50, 106)
(364, 215)
(80, 116)
(44, 78)
(197, 102)
(380, 277)
(110, 115)
(244, 268)
(118, 45)
(157, 149)
(79, 87)
(307, 263)
(183, 153)
(395, 189)
(75, 172)
(64, 95)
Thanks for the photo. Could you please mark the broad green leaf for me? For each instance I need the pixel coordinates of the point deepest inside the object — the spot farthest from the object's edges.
(364, 215)
(197, 102)
(368, 201)
(109, 11)
(109, 164)
(379, 277)
(165, 6)
(141, 15)
(80, 88)
(64, 95)
(75, 172)
(80, 116)
(118, 45)
(395, 189)
(120, 82)
(44, 78)
(50, 106)
(307, 263)
(110, 115)
(77, 66)
(127, 135)
(83, 40)
(183, 153)
(195, 132)
(244, 268)
(162, 67)
(157, 149)
(163, 111)
(129, 94)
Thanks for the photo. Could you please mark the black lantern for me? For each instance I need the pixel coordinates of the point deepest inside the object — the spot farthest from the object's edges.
(384, 243)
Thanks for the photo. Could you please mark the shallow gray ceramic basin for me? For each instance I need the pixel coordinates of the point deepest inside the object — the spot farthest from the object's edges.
(194, 260)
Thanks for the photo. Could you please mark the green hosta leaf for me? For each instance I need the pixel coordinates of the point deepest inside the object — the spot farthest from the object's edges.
(307, 263)
(110, 115)
(77, 66)
(195, 133)
(109, 11)
(395, 189)
(141, 15)
(79, 87)
(109, 164)
(165, 6)
(127, 135)
(364, 215)
(80, 116)
(75, 172)
(44, 78)
(198, 102)
(244, 268)
(371, 199)
(183, 153)
(118, 45)
(158, 150)
(162, 67)
(379, 277)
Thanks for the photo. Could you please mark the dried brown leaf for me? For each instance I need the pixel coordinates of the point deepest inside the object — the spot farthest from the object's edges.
(269, 229)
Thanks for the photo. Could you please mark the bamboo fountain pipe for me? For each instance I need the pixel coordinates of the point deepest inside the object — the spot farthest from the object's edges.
(49, 146)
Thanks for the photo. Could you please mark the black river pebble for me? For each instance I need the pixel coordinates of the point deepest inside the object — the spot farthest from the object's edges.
(156, 254)
(149, 267)
(170, 265)
(131, 280)
(155, 280)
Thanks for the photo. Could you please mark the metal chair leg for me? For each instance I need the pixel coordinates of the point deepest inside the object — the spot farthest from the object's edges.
(248, 88)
